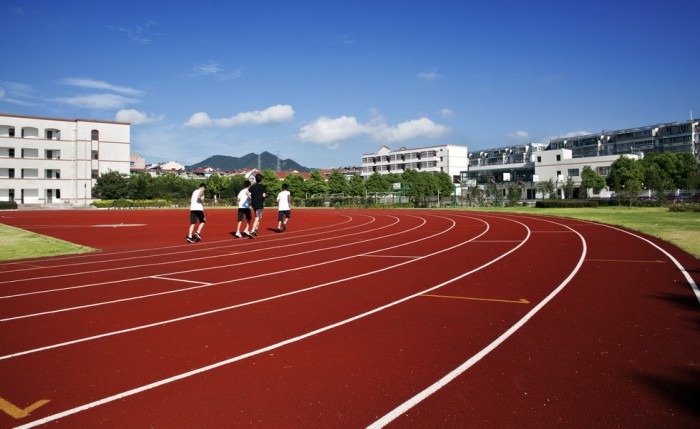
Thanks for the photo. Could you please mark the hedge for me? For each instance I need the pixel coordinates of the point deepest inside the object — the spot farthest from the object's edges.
(569, 204)
(8, 205)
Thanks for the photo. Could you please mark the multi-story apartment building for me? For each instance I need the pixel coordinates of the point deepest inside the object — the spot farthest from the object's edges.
(676, 137)
(451, 159)
(526, 165)
(51, 161)
(564, 158)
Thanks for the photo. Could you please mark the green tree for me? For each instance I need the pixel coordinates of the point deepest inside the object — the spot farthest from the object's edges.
(356, 186)
(444, 183)
(515, 194)
(141, 186)
(591, 180)
(569, 187)
(377, 183)
(625, 175)
(111, 186)
(215, 185)
(171, 186)
(295, 184)
(316, 184)
(337, 184)
(273, 185)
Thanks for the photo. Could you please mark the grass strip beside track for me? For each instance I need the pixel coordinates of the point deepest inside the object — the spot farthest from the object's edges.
(20, 244)
(679, 228)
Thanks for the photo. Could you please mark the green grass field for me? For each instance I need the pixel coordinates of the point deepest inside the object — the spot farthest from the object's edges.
(20, 244)
(679, 228)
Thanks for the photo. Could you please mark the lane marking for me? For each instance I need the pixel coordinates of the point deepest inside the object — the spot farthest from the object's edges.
(180, 261)
(520, 301)
(182, 280)
(424, 394)
(191, 316)
(391, 256)
(18, 413)
(158, 251)
(202, 285)
(298, 338)
(626, 261)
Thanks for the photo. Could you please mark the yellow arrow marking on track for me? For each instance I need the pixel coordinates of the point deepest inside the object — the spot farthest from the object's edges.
(520, 301)
(18, 413)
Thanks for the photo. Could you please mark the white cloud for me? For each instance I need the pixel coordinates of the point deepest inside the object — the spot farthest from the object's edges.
(139, 34)
(329, 131)
(98, 101)
(422, 127)
(2, 93)
(97, 84)
(213, 68)
(134, 117)
(271, 115)
(431, 75)
(447, 113)
(578, 133)
(519, 135)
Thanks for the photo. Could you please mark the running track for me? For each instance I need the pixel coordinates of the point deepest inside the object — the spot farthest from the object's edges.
(351, 318)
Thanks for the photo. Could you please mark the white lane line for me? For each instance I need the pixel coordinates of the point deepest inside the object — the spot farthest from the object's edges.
(261, 249)
(269, 273)
(680, 267)
(282, 343)
(156, 255)
(415, 400)
(182, 280)
(108, 334)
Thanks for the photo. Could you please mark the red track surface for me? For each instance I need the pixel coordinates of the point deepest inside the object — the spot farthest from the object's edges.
(349, 319)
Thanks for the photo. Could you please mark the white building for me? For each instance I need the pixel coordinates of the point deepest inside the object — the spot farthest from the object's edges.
(451, 159)
(50, 160)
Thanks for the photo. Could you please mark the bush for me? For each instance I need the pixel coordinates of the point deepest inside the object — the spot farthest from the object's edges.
(568, 204)
(695, 208)
(8, 205)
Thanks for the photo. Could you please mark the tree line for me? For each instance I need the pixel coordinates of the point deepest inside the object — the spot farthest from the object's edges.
(415, 185)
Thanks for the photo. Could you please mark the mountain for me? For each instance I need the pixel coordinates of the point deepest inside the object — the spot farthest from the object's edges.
(266, 159)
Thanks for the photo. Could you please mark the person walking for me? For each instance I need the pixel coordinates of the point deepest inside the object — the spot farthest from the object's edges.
(244, 209)
(258, 192)
(284, 208)
(197, 214)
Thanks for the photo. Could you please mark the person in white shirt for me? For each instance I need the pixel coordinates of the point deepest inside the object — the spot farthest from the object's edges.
(284, 208)
(197, 213)
(244, 209)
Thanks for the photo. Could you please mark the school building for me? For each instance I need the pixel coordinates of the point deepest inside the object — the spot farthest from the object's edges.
(52, 161)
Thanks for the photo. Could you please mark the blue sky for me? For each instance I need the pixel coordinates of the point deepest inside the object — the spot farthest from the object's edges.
(322, 82)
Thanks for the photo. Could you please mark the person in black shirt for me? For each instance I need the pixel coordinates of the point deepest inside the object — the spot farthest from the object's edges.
(257, 201)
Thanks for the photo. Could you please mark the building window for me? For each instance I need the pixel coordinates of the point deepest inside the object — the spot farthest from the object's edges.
(30, 132)
(95, 155)
(11, 173)
(53, 134)
(558, 157)
(95, 135)
(539, 159)
(95, 174)
(573, 172)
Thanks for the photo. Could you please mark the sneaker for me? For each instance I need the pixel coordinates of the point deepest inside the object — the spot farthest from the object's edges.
(197, 236)
(246, 233)
(238, 235)
(278, 230)
(190, 240)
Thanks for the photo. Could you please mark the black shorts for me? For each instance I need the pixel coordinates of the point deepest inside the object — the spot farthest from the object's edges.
(196, 214)
(244, 213)
(284, 213)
